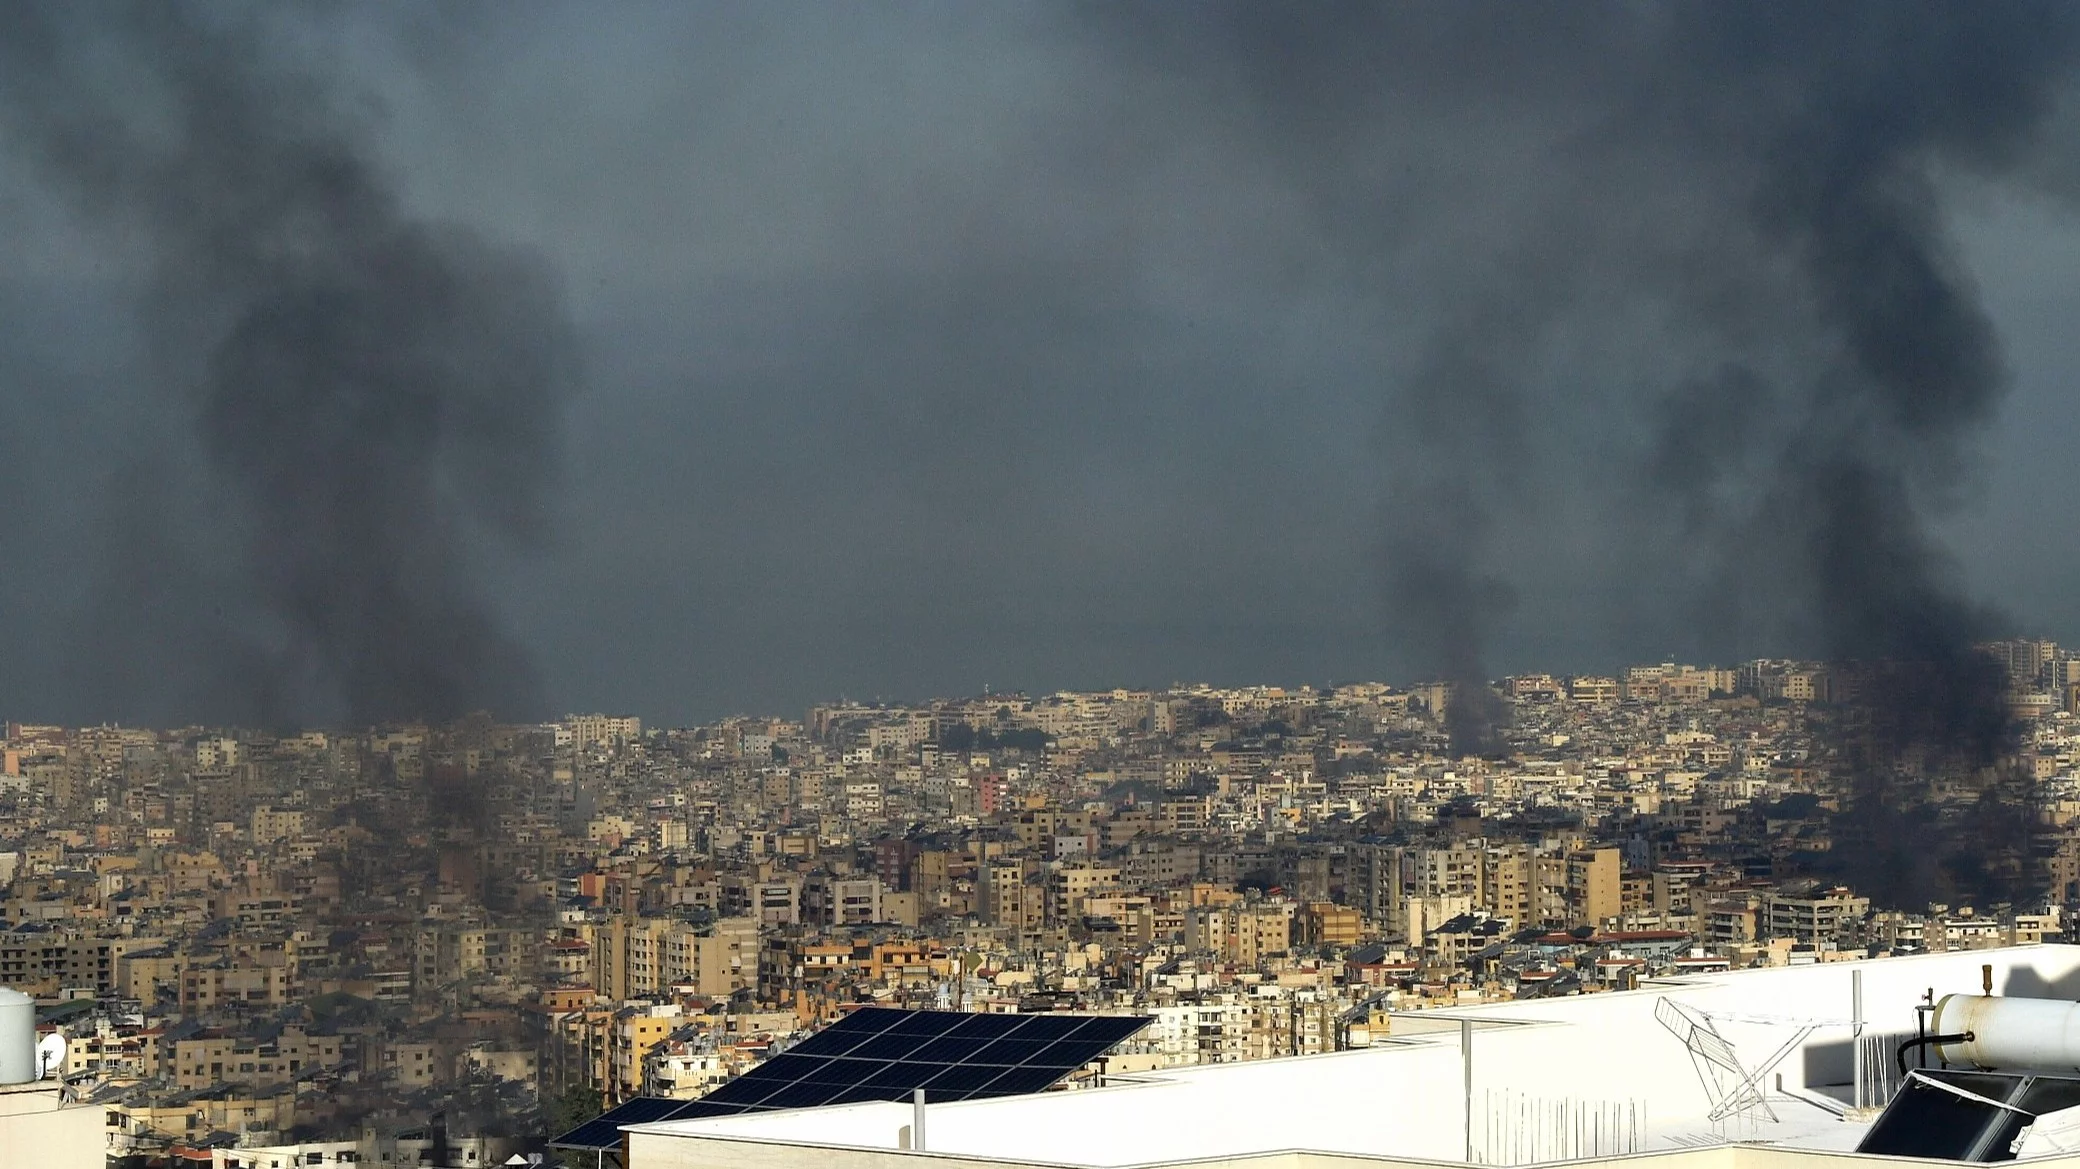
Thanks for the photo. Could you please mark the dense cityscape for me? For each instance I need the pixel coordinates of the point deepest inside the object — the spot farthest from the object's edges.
(480, 933)
(379, 380)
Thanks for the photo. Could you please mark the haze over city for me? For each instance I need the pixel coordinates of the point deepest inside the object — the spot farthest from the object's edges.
(907, 350)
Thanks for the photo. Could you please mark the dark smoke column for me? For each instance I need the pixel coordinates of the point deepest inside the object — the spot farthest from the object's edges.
(373, 392)
(1848, 117)
(1690, 260)
(1459, 433)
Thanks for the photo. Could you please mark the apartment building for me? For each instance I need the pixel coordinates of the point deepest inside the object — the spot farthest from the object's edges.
(213, 1057)
(241, 983)
(841, 901)
(1595, 886)
(1245, 933)
(775, 900)
(1815, 916)
(449, 952)
(635, 1034)
(637, 957)
(43, 961)
(600, 730)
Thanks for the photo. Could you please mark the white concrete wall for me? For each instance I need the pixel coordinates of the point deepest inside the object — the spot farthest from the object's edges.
(658, 1151)
(35, 1131)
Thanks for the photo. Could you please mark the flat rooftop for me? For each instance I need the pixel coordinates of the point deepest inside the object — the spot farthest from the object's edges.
(1556, 1079)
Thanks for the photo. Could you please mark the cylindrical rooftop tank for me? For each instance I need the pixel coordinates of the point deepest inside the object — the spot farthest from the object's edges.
(17, 1037)
(2009, 1034)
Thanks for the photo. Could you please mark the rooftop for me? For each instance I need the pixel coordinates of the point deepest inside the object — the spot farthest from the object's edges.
(1550, 1079)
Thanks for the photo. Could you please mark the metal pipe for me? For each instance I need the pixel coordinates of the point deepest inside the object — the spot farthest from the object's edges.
(1922, 1010)
(917, 1120)
(1924, 1041)
(1466, 1066)
(1857, 1071)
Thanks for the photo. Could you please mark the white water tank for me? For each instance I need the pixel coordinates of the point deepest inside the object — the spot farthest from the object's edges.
(17, 1037)
(2009, 1034)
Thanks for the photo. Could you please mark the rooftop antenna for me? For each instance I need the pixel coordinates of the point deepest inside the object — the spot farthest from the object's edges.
(51, 1051)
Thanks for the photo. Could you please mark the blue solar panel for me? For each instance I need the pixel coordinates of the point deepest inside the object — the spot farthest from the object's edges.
(804, 1095)
(958, 1083)
(604, 1131)
(1016, 1051)
(889, 1046)
(848, 1032)
(950, 1049)
(883, 1054)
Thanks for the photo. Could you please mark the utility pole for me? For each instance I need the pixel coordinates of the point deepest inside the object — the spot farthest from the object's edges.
(1859, 1093)
(1466, 1068)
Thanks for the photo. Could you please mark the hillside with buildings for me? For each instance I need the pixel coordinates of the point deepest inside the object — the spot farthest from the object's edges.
(357, 940)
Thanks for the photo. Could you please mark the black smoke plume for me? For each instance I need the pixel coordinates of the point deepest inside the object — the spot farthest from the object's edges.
(1851, 119)
(375, 395)
(1723, 227)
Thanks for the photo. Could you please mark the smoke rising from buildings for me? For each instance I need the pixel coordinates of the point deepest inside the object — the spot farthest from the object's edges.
(1078, 343)
(1758, 195)
(374, 395)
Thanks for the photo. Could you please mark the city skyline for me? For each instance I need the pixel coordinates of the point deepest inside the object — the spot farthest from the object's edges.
(378, 942)
(1504, 684)
(939, 376)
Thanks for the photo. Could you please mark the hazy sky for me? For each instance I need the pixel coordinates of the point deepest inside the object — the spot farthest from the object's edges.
(925, 347)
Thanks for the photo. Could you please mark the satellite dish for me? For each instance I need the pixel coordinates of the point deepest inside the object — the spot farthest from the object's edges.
(50, 1055)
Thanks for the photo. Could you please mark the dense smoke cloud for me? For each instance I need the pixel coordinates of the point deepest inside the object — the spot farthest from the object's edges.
(1758, 194)
(1755, 193)
(372, 393)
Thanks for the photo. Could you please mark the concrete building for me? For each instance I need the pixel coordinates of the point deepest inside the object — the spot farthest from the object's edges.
(601, 730)
(1245, 933)
(1816, 916)
(650, 956)
(1594, 886)
(841, 901)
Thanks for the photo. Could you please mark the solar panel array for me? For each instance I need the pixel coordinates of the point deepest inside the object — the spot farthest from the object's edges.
(1953, 1115)
(883, 1054)
(604, 1132)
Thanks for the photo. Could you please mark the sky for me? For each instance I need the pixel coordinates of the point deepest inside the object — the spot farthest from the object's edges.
(901, 350)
